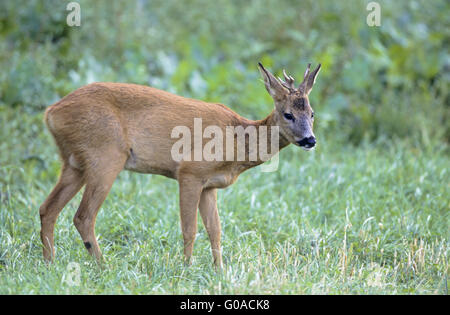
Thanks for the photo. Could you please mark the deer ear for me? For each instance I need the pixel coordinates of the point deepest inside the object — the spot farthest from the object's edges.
(273, 86)
(309, 79)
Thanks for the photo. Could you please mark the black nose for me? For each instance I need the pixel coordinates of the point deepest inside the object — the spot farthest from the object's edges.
(307, 142)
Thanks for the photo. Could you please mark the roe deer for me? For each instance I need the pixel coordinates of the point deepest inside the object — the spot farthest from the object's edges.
(103, 128)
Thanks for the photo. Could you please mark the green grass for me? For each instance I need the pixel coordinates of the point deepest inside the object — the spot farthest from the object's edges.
(366, 212)
(371, 219)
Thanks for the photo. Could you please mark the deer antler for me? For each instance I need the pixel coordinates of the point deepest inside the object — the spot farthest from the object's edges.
(288, 81)
(302, 86)
(308, 79)
(307, 71)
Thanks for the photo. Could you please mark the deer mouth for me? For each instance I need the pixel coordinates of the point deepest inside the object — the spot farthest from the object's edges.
(308, 148)
(305, 147)
(307, 143)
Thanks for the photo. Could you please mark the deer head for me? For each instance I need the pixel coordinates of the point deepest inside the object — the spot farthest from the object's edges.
(293, 112)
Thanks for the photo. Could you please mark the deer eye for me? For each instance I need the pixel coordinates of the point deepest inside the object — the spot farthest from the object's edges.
(312, 115)
(288, 116)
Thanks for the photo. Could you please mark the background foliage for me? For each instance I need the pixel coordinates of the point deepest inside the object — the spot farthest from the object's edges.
(372, 78)
(381, 104)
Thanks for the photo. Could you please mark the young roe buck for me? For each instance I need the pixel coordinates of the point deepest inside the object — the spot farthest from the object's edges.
(103, 128)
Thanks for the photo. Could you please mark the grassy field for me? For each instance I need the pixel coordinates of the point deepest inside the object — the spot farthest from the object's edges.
(340, 219)
(367, 212)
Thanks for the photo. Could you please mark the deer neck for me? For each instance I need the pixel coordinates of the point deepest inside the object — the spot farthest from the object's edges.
(263, 125)
(270, 122)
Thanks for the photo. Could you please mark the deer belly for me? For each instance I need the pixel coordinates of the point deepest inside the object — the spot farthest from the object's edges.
(136, 163)
(220, 181)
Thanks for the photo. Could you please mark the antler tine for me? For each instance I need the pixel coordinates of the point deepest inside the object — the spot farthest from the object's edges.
(289, 80)
(302, 85)
(286, 85)
(307, 71)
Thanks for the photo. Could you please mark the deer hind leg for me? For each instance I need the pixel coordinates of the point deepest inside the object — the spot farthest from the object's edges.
(69, 183)
(100, 176)
(190, 190)
(210, 216)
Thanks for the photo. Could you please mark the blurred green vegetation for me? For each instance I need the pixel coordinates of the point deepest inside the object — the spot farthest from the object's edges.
(377, 82)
